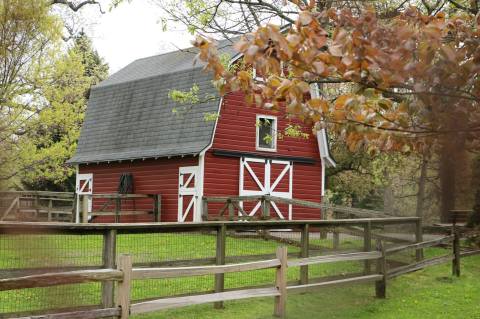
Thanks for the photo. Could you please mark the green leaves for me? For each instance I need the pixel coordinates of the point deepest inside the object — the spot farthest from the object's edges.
(185, 97)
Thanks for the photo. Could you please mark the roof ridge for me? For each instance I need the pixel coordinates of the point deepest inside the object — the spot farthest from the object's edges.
(161, 54)
(181, 50)
(100, 86)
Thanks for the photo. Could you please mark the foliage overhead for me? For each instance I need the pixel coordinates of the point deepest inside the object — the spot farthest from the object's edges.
(416, 75)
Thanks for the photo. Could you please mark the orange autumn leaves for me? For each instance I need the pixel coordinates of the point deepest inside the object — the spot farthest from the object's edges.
(410, 75)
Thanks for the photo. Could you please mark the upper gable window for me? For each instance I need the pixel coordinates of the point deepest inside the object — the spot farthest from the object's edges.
(266, 133)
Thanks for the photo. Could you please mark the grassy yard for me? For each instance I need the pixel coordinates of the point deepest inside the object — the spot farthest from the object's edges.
(428, 294)
(70, 250)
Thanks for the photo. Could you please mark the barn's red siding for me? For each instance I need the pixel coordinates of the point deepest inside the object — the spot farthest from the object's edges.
(236, 131)
(150, 177)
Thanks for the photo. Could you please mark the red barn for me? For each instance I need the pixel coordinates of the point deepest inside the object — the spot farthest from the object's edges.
(216, 147)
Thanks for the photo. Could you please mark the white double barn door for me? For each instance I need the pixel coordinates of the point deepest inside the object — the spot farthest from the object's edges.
(260, 176)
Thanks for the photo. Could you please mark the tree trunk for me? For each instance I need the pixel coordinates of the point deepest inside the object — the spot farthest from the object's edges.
(421, 187)
(388, 198)
(447, 181)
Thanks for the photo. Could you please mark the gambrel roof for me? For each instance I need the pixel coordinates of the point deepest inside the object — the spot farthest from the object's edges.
(130, 114)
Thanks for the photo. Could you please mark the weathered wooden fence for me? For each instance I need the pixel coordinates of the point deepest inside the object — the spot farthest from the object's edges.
(232, 208)
(125, 273)
(43, 206)
(113, 205)
(65, 206)
(35, 248)
(36, 205)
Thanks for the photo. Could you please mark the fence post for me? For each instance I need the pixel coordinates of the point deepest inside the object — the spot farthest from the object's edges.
(157, 204)
(118, 203)
(336, 234)
(419, 239)
(456, 254)
(231, 210)
(85, 209)
(49, 210)
(108, 257)
(281, 283)
(381, 285)
(367, 244)
(265, 207)
(36, 203)
(323, 233)
(17, 211)
(304, 240)
(124, 286)
(204, 209)
(220, 260)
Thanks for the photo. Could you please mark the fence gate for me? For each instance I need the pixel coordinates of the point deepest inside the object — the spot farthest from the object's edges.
(188, 192)
(84, 186)
(260, 176)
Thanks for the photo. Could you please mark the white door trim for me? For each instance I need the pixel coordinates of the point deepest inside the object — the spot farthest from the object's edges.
(184, 189)
(86, 189)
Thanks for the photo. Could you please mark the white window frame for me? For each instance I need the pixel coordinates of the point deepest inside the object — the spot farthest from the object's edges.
(274, 131)
(314, 90)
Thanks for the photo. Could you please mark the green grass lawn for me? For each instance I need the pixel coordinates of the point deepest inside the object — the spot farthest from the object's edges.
(422, 292)
(71, 250)
(427, 294)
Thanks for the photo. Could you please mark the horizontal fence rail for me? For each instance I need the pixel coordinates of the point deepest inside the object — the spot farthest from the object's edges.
(61, 278)
(155, 273)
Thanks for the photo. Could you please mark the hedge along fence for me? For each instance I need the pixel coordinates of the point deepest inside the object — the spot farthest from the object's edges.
(36, 248)
(124, 274)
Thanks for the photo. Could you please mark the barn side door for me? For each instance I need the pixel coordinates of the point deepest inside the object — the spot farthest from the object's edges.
(84, 186)
(188, 194)
(266, 177)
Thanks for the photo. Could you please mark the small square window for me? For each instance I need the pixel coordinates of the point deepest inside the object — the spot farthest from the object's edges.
(266, 133)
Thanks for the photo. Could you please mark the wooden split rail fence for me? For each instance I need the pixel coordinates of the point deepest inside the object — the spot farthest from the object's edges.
(36, 205)
(113, 205)
(232, 208)
(124, 274)
(67, 207)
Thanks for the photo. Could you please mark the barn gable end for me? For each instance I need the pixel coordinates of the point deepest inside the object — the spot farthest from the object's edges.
(235, 146)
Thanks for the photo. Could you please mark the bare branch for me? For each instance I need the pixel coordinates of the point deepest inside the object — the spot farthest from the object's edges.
(75, 7)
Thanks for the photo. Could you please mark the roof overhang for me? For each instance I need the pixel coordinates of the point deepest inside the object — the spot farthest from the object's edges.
(324, 148)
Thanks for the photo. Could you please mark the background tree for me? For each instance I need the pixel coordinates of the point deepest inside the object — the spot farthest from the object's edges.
(29, 36)
(32, 66)
(53, 136)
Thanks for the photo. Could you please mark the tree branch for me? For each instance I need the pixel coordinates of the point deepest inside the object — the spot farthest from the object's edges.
(461, 7)
(76, 7)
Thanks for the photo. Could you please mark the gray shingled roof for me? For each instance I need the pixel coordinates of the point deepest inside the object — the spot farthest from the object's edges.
(129, 115)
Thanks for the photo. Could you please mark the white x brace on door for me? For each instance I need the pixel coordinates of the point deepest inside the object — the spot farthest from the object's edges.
(188, 192)
(267, 177)
(83, 186)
